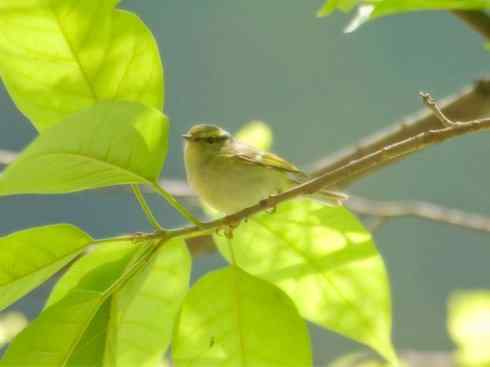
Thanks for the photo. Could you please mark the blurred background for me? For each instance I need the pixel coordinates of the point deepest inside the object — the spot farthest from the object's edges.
(319, 89)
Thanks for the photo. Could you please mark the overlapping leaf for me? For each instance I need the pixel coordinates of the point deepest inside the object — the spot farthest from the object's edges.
(326, 262)
(144, 312)
(112, 143)
(133, 327)
(28, 258)
(469, 326)
(230, 318)
(62, 334)
(61, 56)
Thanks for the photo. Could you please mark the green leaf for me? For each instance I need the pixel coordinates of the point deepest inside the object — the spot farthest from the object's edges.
(61, 335)
(469, 326)
(257, 134)
(90, 349)
(108, 256)
(29, 257)
(112, 143)
(325, 260)
(330, 5)
(61, 56)
(144, 312)
(230, 318)
(139, 323)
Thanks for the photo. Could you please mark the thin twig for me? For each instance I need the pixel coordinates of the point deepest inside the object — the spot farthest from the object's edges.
(471, 103)
(329, 179)
(146, 207)
(384, 210)
(380, 209)
(178, 206)
(355, 168)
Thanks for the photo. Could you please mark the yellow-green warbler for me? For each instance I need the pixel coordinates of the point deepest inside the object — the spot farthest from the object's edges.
(229, 175)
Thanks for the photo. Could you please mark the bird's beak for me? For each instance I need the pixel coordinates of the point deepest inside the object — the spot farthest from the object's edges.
(186, 136)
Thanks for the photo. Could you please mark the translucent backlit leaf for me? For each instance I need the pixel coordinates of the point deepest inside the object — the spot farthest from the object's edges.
(62, 334)
(29, 257)
(469, 326)
(325, 260)
(112, 143)
(257, 134)
(61, 56)
(230, 318)
(144, 312)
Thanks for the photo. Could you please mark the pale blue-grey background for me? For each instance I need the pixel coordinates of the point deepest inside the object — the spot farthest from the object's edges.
(232, 61)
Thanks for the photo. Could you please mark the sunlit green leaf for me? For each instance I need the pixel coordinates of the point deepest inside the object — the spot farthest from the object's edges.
(60, 56)
(111, 143)
(325, 260)
(62, 334)
(29, 257)
(89, 351)
(469, 326)
(106, 255)
(144, 312)
(257, 134)
(230, 318)
(330, 5)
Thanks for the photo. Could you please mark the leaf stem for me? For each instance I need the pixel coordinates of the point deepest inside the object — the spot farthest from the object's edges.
(178, 206)
(146, 208)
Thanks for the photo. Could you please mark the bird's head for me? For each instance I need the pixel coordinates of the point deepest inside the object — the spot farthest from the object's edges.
(207, 134)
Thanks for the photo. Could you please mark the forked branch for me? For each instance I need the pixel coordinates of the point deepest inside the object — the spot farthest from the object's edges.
(355, 167)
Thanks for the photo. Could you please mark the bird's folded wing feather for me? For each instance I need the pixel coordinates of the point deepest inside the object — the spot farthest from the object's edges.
(250, 155)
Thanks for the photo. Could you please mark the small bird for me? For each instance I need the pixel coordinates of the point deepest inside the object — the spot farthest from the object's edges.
(229, 175)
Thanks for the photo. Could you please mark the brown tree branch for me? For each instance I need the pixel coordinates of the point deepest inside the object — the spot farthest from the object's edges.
(471, 103)
(385, 210)
(478, 20)
(332, 178)
(380, 210)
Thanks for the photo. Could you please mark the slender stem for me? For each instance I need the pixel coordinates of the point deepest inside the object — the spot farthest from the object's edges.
(178, 206)
(146, 208)
(471, 103)
(384, 210)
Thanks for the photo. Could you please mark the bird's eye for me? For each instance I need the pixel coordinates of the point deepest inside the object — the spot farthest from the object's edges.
(210, 140)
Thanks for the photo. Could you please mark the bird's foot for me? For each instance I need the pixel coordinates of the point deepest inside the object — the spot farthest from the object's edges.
(228, 229)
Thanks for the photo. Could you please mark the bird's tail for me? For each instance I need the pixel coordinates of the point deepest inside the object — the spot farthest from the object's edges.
(330, 197)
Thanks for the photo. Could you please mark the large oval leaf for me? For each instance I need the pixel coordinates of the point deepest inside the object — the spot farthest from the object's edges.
(326, 262)
(112, 143)
(134, 326)
(62, 334)
(144, 312)
(60, 56)
(230, 318)
(29, 257)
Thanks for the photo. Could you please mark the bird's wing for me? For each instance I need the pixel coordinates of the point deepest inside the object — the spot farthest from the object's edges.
(250, 155)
